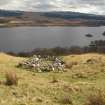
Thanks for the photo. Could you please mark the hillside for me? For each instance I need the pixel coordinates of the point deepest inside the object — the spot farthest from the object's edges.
(22, 18)
(85, 75)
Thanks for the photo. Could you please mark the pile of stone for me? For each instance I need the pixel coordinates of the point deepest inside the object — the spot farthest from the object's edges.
(42, 64)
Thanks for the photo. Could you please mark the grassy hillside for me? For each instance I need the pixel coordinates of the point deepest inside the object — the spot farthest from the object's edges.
(85, 75)
(22, 18)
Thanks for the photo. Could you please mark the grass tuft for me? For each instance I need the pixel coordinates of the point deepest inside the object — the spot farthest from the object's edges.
(66, 100)
(97, 98)
(69, 65)
(11, 78)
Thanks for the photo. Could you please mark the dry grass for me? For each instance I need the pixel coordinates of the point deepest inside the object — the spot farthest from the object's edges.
(69, 65)
(4, 58)
(11, 78)
(97, 98)
(66, 100)
(83, 58)
(54, 79)
(51, 88)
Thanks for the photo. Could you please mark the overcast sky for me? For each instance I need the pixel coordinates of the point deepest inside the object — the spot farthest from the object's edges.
(84, 6)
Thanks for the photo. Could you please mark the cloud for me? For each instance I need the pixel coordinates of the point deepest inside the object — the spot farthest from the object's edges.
(3, 2)
(85, 6)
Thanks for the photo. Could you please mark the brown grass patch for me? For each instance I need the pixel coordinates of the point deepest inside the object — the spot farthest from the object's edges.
(66, 100)
(97, 98)
(69, 65)
(11, 78)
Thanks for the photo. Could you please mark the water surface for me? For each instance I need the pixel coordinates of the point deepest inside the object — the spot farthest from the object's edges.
(27, 38)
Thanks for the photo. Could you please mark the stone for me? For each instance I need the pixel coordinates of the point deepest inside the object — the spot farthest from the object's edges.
(39, 64)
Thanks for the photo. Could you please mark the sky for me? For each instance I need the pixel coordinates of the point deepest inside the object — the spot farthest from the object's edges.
(83, 6)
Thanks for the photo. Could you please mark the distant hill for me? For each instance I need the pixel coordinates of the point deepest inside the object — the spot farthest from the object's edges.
(74, 15)
(21, 18)
(4, 13)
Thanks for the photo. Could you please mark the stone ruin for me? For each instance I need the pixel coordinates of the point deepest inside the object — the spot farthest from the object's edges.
(40, 64)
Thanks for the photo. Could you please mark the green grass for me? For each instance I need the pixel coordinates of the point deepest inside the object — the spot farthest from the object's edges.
(38, 89)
